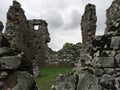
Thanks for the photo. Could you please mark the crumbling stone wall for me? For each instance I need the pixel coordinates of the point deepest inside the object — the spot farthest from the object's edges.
(21, 34)
(39, 41)
(67, 56)
(52, 58)
(113, 14)
(12, 76)
(101, 69)
(70, 53)
(16, 26)
(20, 50)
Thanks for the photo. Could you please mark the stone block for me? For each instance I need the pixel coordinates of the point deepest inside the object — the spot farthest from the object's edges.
(105, 62)
(108, 82)
(10, 62)
(3, 74)
(110, 53)
(109, 71)
(20, 81)
(5, 51)
(98, 72)
(115, 42)
(88, 82)
(117, 60)
(66, 82)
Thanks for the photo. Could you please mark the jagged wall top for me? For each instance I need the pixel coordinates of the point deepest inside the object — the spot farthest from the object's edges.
(16, 25)
(16, 4)
(88, 23)
(21, 34)
(112, 15)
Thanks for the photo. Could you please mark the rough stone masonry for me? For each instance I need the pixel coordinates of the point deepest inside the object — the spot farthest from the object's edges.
(22, 36)
(100, 70)
(12, 76)
(88, 23)
(67, 56)
(22, 50)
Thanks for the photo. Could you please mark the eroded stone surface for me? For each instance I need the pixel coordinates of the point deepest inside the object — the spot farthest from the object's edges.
(10, 62)
(103, 70)
(113, 18)
(15, 65)
(88, 23)
(67, 56)
(88, 82)
(66, 82)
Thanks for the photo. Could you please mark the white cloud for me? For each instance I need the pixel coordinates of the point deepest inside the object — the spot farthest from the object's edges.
(62, 36)
(63, 17)
(74, 20)
(4, 5)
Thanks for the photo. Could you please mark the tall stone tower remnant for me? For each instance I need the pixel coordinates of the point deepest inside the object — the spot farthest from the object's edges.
(88, 23)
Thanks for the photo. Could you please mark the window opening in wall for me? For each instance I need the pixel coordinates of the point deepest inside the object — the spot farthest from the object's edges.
(36, 27)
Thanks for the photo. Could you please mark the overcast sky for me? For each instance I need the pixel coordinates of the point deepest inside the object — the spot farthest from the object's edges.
(63, 17)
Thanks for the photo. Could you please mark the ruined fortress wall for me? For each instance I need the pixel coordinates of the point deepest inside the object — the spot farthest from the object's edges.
(21, 34)
(16, 26)
(113, 14)
(15, 73)
(101, 71)
(39, 40)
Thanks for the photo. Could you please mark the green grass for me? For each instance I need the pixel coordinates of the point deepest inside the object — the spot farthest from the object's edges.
(49, 75)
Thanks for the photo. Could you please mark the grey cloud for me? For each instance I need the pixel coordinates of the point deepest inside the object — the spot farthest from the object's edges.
(4, 5)
(54, 19)
(2, 16)
(56, 4)
(74, 20)
(101, 15)
(101, 23)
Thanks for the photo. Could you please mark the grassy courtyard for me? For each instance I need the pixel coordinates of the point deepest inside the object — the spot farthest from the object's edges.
(49, 75)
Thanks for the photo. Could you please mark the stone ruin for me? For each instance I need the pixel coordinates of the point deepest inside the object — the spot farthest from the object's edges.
(70, 53)
(12, 76)
(22, 50)
(88, 23)
(67, 56)
(39, 41)
(23, 36)
(38, 46)
(99, 68)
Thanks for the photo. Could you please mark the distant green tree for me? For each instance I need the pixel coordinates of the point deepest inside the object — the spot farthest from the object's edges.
(67, 45)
